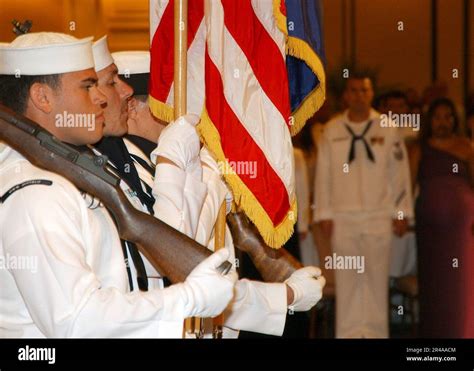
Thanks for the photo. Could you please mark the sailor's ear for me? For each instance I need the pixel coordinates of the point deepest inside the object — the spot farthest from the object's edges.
(41, 97)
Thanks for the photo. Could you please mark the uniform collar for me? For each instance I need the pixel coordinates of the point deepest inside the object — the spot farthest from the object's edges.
(5, 151)
(372, 115)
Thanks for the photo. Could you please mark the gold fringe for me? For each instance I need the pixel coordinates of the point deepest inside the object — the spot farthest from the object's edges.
(160, 110)
(274, 236)
(313, 102)
(280, 18)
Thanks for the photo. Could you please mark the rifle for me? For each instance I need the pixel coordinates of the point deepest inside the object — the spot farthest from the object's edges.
(273, 265)
(172, 253)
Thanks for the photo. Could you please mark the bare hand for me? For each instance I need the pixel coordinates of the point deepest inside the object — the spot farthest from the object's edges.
(400, 227)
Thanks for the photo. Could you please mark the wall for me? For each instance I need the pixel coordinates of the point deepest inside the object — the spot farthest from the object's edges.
(362, 30)
(367, 32)
(125, 21)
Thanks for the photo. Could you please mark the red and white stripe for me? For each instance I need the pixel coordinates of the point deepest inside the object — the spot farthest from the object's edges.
(242, 76)
(162, 41)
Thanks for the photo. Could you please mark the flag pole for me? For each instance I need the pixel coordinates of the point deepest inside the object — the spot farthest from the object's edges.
(191, 325)
(180, 57)
(219, 242)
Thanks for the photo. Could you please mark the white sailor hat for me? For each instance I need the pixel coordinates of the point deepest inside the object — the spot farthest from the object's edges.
(132, 62)
(45, 53)
(134, 68)
(102, 56)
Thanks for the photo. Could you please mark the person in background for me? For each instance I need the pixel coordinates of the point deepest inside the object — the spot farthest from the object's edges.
(443, 165)
(396, 102)
(470, 125)
(315, 246)
(302, 196)
(363, 196)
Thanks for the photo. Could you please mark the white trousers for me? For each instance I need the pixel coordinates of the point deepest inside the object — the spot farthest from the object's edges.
(362, 297)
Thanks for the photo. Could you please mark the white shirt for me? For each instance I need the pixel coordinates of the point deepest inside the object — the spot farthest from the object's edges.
(302, 191)
(378, 188)
(80, 286)
(257, 306)
(179, 197)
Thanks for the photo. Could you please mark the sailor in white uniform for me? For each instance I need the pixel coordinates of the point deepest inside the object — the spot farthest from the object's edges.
(258, 307)
(77, 284)
(363, 196)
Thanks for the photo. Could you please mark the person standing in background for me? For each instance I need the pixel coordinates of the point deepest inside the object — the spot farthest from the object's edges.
(443, 165)
(363, 196)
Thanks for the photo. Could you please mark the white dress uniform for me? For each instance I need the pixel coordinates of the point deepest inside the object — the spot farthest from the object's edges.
(189, 201)
(144, 174)
(154, 277)
(307, 248)
(257, 306)
(362, 197)
(76, 283)
(79, 287)
(302, 191)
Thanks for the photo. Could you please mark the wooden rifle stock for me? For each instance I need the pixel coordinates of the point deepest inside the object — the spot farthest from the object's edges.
(172, 253)
(273, 265)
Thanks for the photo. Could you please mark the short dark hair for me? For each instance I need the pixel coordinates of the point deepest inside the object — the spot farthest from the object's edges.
(426, 131)
(359, 75)
(395, 94)
(380, 101)
(15, 91)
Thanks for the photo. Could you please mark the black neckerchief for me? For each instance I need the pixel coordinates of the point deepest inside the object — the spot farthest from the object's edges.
(361, 137)
(114, 148)
(117, 152)
(144, 144)
(147, 147)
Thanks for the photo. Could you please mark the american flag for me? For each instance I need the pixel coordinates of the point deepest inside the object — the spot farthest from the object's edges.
(239, 82)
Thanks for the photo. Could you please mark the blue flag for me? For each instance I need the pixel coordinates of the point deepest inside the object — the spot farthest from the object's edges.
(305, 58)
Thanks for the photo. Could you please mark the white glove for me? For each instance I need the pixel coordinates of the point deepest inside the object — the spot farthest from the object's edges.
(307, 285)
(205, 293)
(179, 143)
